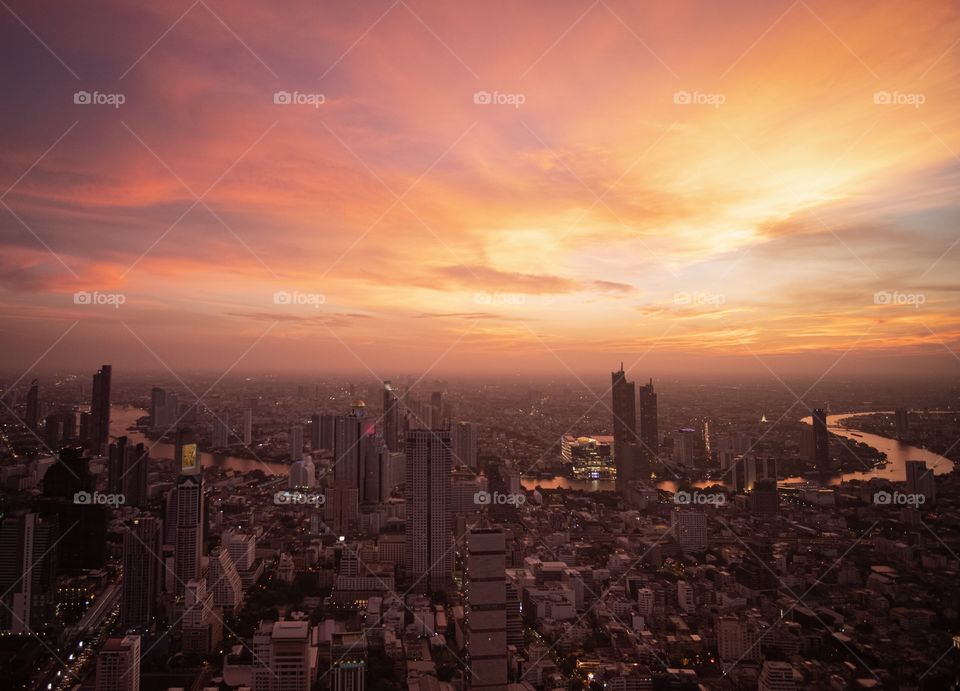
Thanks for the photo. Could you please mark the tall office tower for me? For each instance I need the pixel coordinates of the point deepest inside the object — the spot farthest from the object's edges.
(436, 409)
(158, 407)
(777, 676)
(920, 480)
(315, 432)
(28, 567)
(352, 435)
(188, 545)
(902, 423)
(127, 471)
(118, 664)
(821, 441)
(485, 630)
(200, 627)
(100, 410)
(690, 529)
(327, 432)
(142, 572)
(281, 657)
(302, 475)
(221, 430)
(684, 442)
(247, 427)
(59, 429)
(428, 547)
(349, 653)
(223, 580)
(764, 500)
(624, 424)
(515, 634)
(376, 466)
(341, 507)
(391, 417)
(242, 549)
(296, 442)
(32, 416)
(649, 426)
(465, 444)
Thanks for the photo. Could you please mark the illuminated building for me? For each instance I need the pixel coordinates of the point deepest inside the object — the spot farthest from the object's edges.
(429, 545)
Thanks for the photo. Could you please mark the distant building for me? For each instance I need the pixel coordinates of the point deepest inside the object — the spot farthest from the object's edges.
(821, 441)
(465, 444)
(902, 423)
(188, 546)
(777, 676)
(99, 425)
(118, 665)
(142, 572)
(283, 658)
(690, 529)
(684, 445)
(485, 634)
(624, 399)
(429, 552)
(223, 581)
(391, 417)
(649, 429)
(920, 480)
(302, 474)
(295, 442)
(28, 567)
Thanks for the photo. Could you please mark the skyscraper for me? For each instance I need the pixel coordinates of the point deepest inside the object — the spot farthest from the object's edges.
(428, 546)
(296, 442)
(353, 434)
(221, 430)
(32, 416)
(465, 444)
(223, 580)
(649, 430)
(302, 474)
(821, 440)
(127, 471)
(28, 567)
(624, 424)
(391, 417)
(188, 547)
(247, 426)
(99, 430)
(142, 572)
(118, 665)
(485, 632)
(920, 480)
(902, 423)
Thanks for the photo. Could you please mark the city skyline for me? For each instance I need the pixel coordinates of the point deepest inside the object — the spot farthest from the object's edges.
(778, 182)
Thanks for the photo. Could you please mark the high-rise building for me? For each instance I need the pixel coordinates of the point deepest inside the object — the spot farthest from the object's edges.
(764, 500)
(902, 423)
(348, 650)
(223, 581)
(142, 572)
(221, 430)
(118, 664)
(649, 426)
(99, 430)
(127, 471)
(684, 444)
(188, 548)
(378, 474)
(32, 416)
(485, 628)
(158, 407)
(282, 659)
(821, 441)
(296, 442)
(690, 529)
(247, 426)
(200, 627)
(776, 676)
(624, 425)
(391, 417)
(465, 444)
(28, 567)
(920, 480)
(428, 548)
(302, 474)
(353, 434)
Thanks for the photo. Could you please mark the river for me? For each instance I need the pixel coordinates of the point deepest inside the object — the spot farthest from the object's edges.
(898, 453)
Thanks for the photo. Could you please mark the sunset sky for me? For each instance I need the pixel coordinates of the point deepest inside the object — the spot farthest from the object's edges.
(592, 216)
